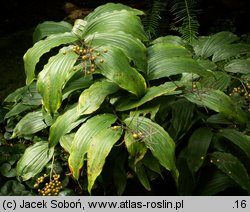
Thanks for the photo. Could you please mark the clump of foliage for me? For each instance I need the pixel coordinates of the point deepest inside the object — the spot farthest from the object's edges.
(109, 102)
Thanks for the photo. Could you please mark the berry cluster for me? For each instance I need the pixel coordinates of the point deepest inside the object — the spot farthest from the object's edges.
(51, 187)
(88, 57)
(242, 91)
(138, 135)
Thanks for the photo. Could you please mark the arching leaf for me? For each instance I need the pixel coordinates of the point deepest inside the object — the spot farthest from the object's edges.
(215, 181)
(220, 81)
(49, 28)
(170, 59)
(110, 7)
(34, 160)
(238, 138)
(92, 98)
(198, 145)
(131, 46)
(54, 76)
(182, 118)
(64, 124)
(207, 46)
(115, 21)
(77, 84)
(156, 139)
(219, 102)
(238, 66)
(32, 56)
(66, 141)
(114, 65)
(141, 174)
(173, 66)
(31, 123)
(231, 50)
(99, 149)
(167, 88)
(170, 39)
(231, 166)
(83, 139)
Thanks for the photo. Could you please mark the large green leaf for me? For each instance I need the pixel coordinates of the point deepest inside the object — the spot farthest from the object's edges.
(231, 166)
(152, 163)
(54, 76)
(130, 102)
(170, 39)
(230, 50)
(220, 81)
(219, 102)
(238, 138)
(25, 99)
(164, 67)
(110, 7)
(213, 182)
(32, 56)
(28, 95)
(182, 118)
(34, 160)
(120, 173)
(77, 84)
(84, 137)
(170, 59)
(92, 98)
(66, 141)
(115, 21)
(160, 51)
(238, 66)
(131, 46)
(31, 123)
(207, 46)
(64, 124)
(114, 65)
(17, 109)
(49, 28)
(198, 145)
(99, 149)
(141, 174)
(156, 139)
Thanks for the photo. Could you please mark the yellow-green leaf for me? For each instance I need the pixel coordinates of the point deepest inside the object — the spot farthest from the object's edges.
(83, 139)
(64, 124)
(167, 88)
(92, 98)
(99, 149)
(156, 139)
(114, 65)
(54, 76)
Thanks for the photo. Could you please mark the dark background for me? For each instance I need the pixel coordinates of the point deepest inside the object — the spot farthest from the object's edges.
(18, 15)
(18, 18)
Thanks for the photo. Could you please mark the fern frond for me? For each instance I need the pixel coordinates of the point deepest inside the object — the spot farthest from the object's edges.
(152, 19)
(185, 12)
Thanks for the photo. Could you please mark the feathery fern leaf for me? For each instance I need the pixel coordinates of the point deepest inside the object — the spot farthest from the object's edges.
(152, 19)
(185, 12)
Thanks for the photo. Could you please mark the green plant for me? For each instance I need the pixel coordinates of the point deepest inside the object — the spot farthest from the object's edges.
(113, 106)
(185, 12)
(181, 18)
